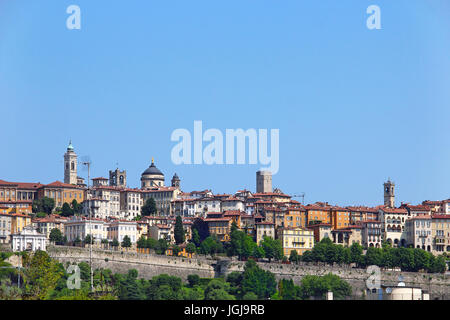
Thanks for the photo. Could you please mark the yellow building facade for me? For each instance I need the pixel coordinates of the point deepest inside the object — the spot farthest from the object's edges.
(297, 239)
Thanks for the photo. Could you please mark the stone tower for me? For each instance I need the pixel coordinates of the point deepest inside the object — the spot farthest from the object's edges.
(389, 194)
(263, 181)
(118, 178)
(70, 165)
(175, 181)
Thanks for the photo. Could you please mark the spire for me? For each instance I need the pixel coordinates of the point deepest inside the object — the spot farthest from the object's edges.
(70, 146)
(153, 160)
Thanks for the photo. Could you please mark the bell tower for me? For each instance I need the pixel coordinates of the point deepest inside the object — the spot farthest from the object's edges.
(70, 165)
(389, 194)
(175, 181)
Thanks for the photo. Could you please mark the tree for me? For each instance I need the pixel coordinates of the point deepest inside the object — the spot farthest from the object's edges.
(193, 280)
(129, 288)
(87, 239)
(175, 250)
(115, 243)
(287, 290)
(77, 240)
(149, 208)
(179, 231)
(142, 242)
(196, 238)
(126, 242)
(438, 265)
(195, 293)
(190, 248)
(373, 256)
(202, 229)
(272, 248)
(43, 205)
(218, 290)
(293, 257)
(77, 208)
(161, 246)
(211, 246)
(356, 254)
(48, 204)
(256, 280)
(41, 275)
(316, 286)
(164, 287)
(56, 236)
(151, 243)
(66, 210)
(258, 252)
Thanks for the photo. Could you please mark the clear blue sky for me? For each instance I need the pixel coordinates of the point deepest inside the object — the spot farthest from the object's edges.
(354, 106)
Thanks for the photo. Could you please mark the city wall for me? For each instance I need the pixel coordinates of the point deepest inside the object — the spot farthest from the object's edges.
(149, 265)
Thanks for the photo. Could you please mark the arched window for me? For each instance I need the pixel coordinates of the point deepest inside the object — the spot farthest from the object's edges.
(73, 165)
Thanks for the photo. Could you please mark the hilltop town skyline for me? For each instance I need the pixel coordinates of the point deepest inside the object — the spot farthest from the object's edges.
(81, 172)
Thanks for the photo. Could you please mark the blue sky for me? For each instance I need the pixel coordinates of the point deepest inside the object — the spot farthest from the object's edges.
(353, 106)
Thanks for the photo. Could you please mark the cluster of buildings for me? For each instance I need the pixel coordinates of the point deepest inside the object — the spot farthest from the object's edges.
(112, 210)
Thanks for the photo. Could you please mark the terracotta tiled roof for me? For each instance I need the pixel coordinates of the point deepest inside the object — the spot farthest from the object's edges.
(217, 219)
(59, 184)
(441, 216)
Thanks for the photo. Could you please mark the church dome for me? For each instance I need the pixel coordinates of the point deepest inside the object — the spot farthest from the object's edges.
(152, 170)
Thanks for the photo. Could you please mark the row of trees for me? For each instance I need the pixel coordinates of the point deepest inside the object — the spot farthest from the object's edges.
(45, 206)
(57, 237)
(240, 244)
(407, 259)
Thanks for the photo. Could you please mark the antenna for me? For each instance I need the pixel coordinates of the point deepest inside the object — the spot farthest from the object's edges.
(88, 165)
